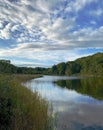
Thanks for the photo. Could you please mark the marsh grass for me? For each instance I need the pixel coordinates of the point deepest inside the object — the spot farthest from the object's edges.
(20, 108)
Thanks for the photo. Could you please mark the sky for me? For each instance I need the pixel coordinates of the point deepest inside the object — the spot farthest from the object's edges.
(41, 33)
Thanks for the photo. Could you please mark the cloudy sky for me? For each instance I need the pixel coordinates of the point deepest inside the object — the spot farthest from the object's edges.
(46, 32)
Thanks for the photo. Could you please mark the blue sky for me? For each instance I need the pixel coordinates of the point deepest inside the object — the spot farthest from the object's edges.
(46, 32)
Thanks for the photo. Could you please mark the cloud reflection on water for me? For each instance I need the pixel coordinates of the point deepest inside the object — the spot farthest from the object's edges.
(75, 111)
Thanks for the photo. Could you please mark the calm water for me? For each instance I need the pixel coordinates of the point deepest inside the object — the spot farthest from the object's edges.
(78, 102)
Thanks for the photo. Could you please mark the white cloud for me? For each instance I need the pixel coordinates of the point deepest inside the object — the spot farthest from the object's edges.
(1, 24)
(77, 5)
(97, 13)
(93, 22)
(32, 20)
(5, 32)
(44, 28)
(14, 28)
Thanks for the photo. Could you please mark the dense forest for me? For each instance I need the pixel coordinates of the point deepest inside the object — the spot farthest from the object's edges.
(90, 65)
(6, 67)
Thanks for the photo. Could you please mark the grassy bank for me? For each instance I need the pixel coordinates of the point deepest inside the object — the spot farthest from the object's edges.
(20, 108)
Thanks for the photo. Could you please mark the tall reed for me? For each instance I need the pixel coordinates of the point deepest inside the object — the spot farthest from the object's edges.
(20, 108)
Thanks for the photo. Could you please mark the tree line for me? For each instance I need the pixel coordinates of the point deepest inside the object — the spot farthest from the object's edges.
(89, 65)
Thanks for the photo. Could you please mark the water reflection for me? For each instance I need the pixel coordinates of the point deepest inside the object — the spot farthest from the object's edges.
(69, 89)
(89, 86)
(75, 110)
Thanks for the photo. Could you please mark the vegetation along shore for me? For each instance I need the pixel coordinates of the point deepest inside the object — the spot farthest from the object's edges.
(20, 108)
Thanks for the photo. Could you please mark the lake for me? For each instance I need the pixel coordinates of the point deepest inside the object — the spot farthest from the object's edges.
(77, 101)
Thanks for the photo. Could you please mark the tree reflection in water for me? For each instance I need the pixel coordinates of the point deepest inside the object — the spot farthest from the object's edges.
(88, 86)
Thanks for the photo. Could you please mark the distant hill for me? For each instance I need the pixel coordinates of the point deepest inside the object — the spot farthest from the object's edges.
(89, 65)
(7, 67)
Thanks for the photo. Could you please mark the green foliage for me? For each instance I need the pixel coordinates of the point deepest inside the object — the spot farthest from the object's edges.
(91, 65)
(29, 70)
(20, 108)
(72, 68)
(53, 70)
(61, 68)
(11, 69)
(7, 68)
